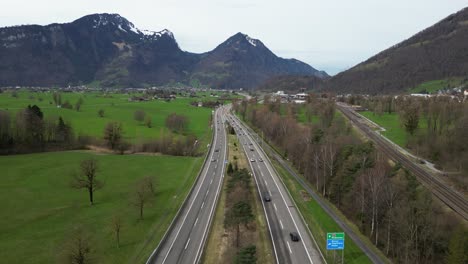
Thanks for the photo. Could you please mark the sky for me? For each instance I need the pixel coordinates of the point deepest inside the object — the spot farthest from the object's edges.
(330, 35)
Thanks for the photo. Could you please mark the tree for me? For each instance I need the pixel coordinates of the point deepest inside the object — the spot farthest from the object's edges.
(141, 196)
(177, 123)
(57, 98)
(139, 115)
(458, 247)
(409, 117)
(113, 134)
(78, 104)
(87, 178)
(101, 113)
(148, 121)
(78, 249)
(240, 213)
(116, 226)
(64, 132)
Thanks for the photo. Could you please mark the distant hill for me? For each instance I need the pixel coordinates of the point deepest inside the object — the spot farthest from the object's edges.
(293, 83)
(108, 50)
(439, 52)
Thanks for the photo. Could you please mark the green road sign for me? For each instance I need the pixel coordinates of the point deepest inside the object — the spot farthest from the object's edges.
(340, 236)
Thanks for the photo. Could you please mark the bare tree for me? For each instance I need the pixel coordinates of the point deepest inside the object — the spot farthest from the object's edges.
(113, 134)
(116, 228)
(150, 184)
(101, 113)
(78, 249)
(148, 122)
(140, 196)
(87, 178)
(139, 115)
(177, 123)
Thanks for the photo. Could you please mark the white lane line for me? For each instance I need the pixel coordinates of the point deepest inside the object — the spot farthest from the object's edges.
(213, 206)
(214, 173)
(267, 165)
(290, 251)
(261, 172)
(207, 192)
(266, 183)
(274, 205)
(196, 221)
(281, 224)
(264, 208)
(193, 201)
(188, 241)
(211, 181)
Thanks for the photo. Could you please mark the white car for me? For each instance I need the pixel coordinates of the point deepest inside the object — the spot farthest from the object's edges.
(252, 160)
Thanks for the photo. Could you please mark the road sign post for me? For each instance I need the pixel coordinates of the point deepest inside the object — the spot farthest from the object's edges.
(335, 241)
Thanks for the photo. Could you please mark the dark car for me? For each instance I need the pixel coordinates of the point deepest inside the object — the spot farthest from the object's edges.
(216, 150)
(294, 236)
(266, 197)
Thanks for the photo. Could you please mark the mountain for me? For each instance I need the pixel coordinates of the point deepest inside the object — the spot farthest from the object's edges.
(439, 52)
(242, 61)
(292, 83)
(108, 50)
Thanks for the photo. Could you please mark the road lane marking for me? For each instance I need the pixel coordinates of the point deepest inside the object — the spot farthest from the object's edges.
(191, 204)
(290, 251)
(281, 224)
(274, 205)
(188, 242)
(267, 165)
(196, 221)
(211, 181)
(207, 192)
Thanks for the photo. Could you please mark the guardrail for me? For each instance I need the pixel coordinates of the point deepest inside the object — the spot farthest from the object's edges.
(184, 204)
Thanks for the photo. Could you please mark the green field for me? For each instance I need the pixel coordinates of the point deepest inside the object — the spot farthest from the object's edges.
(435, 85)
(116, 108)
(40, 210)
(394, 130)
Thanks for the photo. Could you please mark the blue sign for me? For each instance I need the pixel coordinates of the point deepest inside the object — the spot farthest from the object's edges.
(335, 244)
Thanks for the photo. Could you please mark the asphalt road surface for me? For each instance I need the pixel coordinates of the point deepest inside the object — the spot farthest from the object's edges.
(281, 214)
(185, 239)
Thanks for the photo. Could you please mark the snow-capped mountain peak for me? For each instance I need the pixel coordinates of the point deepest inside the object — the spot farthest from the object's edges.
(252, 41)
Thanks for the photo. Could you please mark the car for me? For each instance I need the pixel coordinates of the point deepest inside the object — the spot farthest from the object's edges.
(294, 236)
(213, 160)
(251, 149)
(216, 150)
(252, 160)
(260, 160)
(266, 197)
(251, 144)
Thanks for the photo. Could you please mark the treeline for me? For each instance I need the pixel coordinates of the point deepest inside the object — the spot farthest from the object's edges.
(444, 139)
(384, 200)
(30, 131)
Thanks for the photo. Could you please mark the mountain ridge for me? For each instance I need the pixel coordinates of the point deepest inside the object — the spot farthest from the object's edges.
(110, 50)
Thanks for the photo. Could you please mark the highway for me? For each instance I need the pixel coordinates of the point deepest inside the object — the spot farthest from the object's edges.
(446, 194)
(185, 239)
(281, 213)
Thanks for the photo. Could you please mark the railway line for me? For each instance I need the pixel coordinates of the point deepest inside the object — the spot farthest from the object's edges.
(446, 194)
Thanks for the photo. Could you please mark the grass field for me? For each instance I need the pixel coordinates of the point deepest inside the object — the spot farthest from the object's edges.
(116, 108)
(394, 130)
(40, 210)
(435, 85)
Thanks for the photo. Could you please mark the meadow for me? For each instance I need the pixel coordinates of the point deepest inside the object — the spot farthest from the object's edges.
(116, 108)
(40, 211)
(394, 130)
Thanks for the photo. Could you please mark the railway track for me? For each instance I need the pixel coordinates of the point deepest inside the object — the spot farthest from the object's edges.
(446, 194)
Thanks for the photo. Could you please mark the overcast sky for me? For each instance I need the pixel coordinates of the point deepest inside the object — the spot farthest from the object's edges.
(330, 35)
